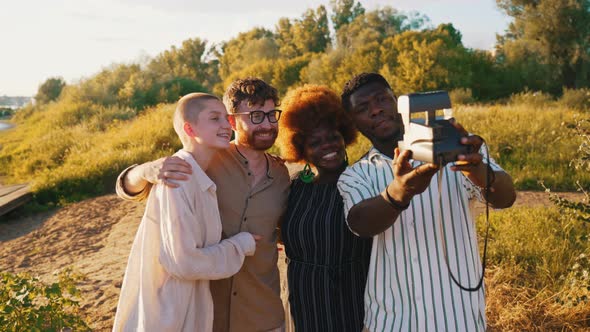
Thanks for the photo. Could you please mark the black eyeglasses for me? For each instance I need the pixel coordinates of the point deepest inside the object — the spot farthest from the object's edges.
(257, 117)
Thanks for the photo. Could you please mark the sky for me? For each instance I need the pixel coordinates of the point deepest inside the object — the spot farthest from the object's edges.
(75, 39)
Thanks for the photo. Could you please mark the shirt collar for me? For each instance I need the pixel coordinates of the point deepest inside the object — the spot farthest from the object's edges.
(244, 161)
(202, 179)
(374, 153)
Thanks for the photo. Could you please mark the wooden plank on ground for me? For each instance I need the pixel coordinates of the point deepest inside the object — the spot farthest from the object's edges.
(13, 196)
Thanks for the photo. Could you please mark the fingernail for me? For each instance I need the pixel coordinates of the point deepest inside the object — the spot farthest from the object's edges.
(464, 140)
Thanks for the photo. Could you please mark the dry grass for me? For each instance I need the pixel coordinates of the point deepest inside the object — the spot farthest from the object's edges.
(537, 278)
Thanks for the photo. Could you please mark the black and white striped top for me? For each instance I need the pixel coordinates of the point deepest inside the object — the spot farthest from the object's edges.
(408, 284)
(328, 264)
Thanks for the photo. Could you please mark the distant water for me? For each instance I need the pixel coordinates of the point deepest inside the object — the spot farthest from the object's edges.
(4, 125)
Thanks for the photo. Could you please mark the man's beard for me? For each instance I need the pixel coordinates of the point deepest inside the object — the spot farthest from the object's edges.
(258, 144)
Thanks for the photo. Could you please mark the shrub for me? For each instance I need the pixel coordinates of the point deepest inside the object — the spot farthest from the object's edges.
(28, 304)
(6, 112)
(578, 210)
(576, 98)
(536, 99)
(461, 96)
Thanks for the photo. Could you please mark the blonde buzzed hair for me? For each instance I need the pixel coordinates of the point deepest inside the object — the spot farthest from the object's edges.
(187, 110)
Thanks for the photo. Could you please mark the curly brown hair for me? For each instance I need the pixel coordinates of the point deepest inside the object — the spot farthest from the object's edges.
(252, 89)
(306, 109)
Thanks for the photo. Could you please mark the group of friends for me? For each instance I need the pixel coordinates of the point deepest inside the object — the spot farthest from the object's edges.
(371, 245)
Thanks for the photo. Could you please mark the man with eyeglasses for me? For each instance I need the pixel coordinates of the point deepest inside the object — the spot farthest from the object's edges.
(252, 190)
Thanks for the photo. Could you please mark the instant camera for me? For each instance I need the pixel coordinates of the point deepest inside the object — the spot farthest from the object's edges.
(431, 139)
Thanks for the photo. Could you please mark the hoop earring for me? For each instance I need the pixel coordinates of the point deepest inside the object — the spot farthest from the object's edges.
(345, 158)
(306, 175)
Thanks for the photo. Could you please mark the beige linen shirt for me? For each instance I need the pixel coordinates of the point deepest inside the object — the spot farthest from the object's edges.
(250, 300)
(174, 255)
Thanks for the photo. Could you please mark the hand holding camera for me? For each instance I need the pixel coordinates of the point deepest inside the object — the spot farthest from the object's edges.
(409, 181)
(431, 139)
(440, 140)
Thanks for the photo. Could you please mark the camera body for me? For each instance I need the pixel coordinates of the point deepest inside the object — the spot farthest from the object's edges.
(431, 139)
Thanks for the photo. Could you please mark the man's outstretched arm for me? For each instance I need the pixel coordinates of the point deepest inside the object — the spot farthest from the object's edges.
(374, 215)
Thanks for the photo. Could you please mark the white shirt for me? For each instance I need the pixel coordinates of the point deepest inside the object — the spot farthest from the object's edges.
(408, 285)
(174, 255)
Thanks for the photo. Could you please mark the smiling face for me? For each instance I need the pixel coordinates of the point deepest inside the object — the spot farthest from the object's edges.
(325, 149)
(212, 128)
(260, 136)
(374, 112)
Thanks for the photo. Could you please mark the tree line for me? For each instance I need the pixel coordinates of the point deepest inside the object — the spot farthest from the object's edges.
(545, 48)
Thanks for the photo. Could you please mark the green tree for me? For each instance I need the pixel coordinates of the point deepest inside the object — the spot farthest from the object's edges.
(287, 72)
(50, 90)
(189, 61)
(357, 47)
(171, 74)
(489, 79)
(553, 33)
(285, 39)
(344, 12)
(260, 45)
(311, 32)
(105, 87)
(308, 34)
(426, 60)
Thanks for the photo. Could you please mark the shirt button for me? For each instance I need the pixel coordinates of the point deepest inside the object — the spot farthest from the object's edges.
(249, 173)
(235, 293)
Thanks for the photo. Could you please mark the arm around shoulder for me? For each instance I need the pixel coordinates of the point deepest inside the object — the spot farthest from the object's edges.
(130, 186)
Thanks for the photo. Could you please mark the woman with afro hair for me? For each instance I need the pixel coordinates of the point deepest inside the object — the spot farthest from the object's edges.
(327, 263)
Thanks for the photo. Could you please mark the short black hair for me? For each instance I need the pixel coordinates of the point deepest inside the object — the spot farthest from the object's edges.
(356, 83)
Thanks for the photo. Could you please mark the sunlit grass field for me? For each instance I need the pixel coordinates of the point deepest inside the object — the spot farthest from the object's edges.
(538, 270)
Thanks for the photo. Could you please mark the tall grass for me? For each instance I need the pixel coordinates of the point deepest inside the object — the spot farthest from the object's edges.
(68, 159)
(531, 143)
(538, 271)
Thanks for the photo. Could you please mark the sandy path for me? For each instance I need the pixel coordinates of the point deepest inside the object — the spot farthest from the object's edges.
(94, 237)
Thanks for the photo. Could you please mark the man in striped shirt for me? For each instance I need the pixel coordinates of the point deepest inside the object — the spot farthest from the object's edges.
(423, 232)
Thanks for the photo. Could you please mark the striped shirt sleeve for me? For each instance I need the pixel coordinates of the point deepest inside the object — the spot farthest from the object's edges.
(354, 187)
